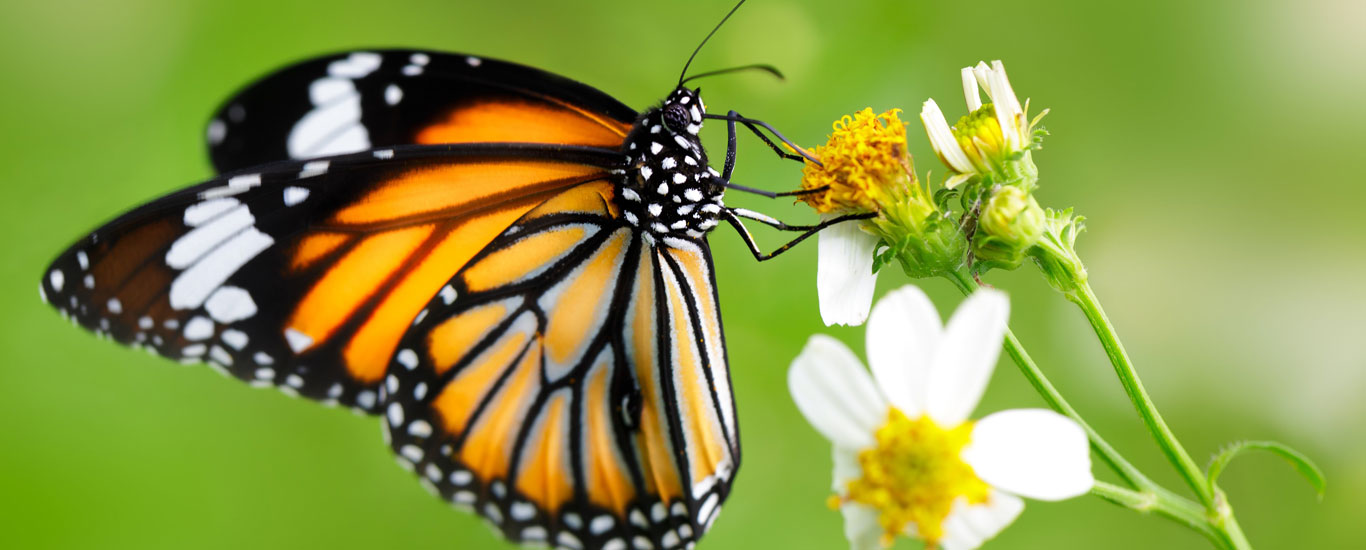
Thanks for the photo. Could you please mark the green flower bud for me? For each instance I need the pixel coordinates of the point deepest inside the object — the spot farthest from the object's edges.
(1010, 224)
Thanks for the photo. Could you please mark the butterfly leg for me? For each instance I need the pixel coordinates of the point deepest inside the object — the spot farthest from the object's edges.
(733, 216)
(753, 125)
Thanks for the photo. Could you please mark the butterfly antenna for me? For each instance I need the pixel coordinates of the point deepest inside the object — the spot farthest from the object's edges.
(770, 69)
(704, 41)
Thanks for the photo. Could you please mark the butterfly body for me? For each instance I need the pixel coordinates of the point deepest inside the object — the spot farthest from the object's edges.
(509, 267)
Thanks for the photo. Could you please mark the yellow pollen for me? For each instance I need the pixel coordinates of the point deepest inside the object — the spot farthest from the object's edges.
(979, 134)
(914, 475)
(864, 160)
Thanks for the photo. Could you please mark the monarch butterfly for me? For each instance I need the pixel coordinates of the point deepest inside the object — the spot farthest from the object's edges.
(509, 266)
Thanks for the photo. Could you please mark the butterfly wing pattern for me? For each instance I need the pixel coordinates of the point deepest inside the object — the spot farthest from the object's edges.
(454, 243)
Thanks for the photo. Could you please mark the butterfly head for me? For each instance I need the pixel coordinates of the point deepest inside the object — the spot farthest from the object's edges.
(668, 190)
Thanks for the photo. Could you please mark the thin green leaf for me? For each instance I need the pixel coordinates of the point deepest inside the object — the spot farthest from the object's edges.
(1297, 459)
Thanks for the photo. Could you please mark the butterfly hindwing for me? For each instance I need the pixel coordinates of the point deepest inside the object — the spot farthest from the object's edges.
(354, 101)
(570, 385)
(304, 274)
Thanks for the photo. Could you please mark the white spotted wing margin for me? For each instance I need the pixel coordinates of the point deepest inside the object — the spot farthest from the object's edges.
(606, 427)
(208, 274)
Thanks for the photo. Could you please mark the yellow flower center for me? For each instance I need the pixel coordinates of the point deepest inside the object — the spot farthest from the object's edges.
(979, 134)
(914, 475)
(864, 160)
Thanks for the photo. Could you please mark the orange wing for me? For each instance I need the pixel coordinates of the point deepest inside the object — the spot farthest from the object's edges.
(572, 386)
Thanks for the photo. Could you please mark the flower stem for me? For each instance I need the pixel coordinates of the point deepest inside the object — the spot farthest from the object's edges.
(1031, 371)
(1128, 377)
(1168, 505)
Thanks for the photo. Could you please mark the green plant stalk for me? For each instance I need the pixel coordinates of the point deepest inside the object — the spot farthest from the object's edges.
(1084, 298)
(1218, 512)
(1147, 496)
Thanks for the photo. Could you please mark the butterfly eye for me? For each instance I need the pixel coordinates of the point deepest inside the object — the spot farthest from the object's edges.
(676, 116)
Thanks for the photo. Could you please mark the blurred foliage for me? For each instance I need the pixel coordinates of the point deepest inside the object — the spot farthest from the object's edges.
(1211, 146)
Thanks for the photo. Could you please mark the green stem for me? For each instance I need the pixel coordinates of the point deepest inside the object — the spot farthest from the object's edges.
(1165, 504)
(1057, 402)
(1128, 377)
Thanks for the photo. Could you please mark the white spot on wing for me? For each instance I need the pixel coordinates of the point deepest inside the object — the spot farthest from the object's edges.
(473, 61)
(114, 306)
(198, 328)
(216, 132)
(356, 65)
(201, 212)
(447, 294)
(57, 279)
(384, 154)
(194, 285)
(229, 304)
(315, 168)
(295, 195)
(234, 338)
(298, 341)
(407, 358)
(393, 94)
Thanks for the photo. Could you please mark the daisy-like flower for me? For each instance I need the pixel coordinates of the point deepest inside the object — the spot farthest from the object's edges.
(865, 168)
(988, 141)
(907, 459)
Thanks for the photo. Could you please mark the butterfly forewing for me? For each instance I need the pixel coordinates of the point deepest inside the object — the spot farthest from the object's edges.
(305, 274)
(362, 100)
(569, 384)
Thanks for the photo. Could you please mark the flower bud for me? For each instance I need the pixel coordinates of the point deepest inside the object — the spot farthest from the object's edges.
(1010, 224)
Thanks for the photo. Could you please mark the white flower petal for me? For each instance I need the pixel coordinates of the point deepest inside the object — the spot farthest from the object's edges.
(1033, 453)
(966, 356)
(835, 393)
(941, 138)
(844, 273)
(970, 93)
(846, 469)
(861, 527)
(956, 180)
(903, 332)
(968, 526)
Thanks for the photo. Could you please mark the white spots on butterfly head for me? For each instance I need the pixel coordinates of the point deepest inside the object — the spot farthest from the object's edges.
(646, 172)
(314, 168)
(663, 188)
(655, 148)
(655, 209)
(680, 178)
(298, 341)
(295, 195)
(669, 163)
(693, 194)
(393, 94)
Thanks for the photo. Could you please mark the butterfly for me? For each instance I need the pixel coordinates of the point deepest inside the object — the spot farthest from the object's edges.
(509, 267)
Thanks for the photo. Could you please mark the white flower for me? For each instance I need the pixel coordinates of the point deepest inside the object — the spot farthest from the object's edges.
(990, 135)
(907, 459)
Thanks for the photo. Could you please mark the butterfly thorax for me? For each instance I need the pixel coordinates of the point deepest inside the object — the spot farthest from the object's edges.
(668, 190)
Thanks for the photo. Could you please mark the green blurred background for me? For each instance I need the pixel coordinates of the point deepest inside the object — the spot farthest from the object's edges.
(1214, 146)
